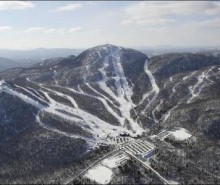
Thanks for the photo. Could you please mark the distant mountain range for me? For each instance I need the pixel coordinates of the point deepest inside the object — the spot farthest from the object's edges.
(7, 63)
(159, 50)
(26, 58)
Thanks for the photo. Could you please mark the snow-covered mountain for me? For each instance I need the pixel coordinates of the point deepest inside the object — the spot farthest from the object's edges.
(68, 105)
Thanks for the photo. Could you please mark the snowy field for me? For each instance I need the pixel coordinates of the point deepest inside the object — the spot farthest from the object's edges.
(102, 173)
(181, 134)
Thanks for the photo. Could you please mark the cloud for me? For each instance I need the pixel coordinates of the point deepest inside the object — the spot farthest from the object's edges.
(35, 29)
(152, 22)
(5, 28)
(159, 12)
(211, 23)
(68, 7)
(75, 29)
(53, 30)
(15, 5)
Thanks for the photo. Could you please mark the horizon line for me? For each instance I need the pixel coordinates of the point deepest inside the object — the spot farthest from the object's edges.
(135, 47)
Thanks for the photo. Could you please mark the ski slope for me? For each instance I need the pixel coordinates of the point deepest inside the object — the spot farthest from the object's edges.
(154, 88)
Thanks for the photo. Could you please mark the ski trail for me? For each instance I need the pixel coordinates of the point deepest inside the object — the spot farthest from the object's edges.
(54, 77)
(32, 89)
(196, 89)
(168, 113)
(208, 75)
(101, 95)
(73, 102)
(156, 109)
(122, 86)
(23, 97)
(174, 89)
(102, 83)
(146, 96)
(155, 89)
(189, 76)
(90, 118)
(32, 94)
(108, 108)
(79, 89)
(106, 99)
(124, 92)
(90, 123)
(192, 90)
(87, 122)
(58, 131)
(36, 104)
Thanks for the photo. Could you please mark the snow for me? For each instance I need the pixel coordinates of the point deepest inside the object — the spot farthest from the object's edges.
(124, 91)
(108, 108)
(99, 54)
(181, 134)
(32, 94)
(86, 121)
(23, 97)
(54, 77)
(173, 182)
(198, 86)
(122, 84)
(196, 89)
(189, 76)
(2, 82)
(113, 162)
(168, 113)
(90, 123)
(101, 95)
(157, 108)
(58, 131)
(174, 88)
(155, 89)
(99, 128)
(100, 174)
(41, 107)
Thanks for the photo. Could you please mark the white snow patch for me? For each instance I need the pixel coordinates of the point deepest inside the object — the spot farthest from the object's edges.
(173, 182)
(2, 82)
(23, 97)
(113, 162)
(189, 76)
(100, 174)
(181, 134)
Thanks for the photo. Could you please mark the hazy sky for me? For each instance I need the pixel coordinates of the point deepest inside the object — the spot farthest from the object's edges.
(66, 24)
